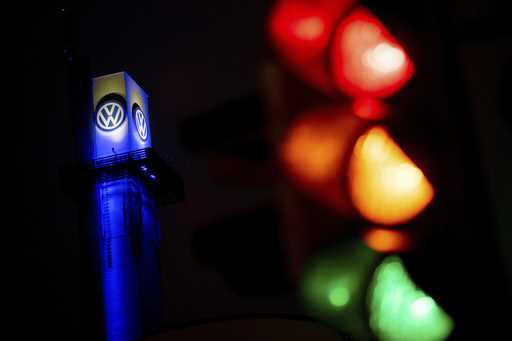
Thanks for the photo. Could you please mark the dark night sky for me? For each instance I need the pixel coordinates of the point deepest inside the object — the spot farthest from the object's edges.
(189, 56)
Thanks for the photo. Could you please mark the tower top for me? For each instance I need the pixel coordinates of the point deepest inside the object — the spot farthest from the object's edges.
(120, 121)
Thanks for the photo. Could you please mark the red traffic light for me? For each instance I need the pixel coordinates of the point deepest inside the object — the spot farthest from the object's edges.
(301, 30)
(366, 60)
(353, 53)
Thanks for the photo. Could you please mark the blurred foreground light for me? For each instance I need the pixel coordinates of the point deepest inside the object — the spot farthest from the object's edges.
(385, 185)
(369, 108)
(400, 311)
(384, 58)
(315, 149)
(298, 24)
(383, 240)
(308, 28)
(366, 60)
(333, 286)
(300, 32)
(339, 296)
(314, 153)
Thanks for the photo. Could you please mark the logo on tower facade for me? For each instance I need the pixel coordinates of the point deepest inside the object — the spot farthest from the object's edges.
(110, 116)
(140, 123)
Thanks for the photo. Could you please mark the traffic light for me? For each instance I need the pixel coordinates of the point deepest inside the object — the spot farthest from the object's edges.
(300, 32)
(385, 186)
(365, 294)
(351, 165)
(399, 310)
(366, 60)
(336, 46)
(339, 152)
(358, 122)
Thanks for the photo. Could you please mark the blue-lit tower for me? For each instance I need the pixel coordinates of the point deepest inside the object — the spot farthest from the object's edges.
(119, 182)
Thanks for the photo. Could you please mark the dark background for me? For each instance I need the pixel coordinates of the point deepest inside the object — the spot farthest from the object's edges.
(191, 56)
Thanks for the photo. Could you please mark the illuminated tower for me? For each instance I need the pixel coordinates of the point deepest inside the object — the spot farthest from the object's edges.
(119, 183)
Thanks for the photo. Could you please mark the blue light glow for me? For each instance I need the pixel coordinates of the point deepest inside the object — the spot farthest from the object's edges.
(128, 238)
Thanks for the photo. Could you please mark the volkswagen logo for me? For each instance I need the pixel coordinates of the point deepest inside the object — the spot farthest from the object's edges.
(110, 116)
(140, 123)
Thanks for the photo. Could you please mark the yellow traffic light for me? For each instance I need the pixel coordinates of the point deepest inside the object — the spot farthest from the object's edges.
(386, 187)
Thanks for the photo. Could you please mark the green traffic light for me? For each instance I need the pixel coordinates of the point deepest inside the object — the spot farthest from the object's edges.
(333, 287)
(339, 296)
(400, 311)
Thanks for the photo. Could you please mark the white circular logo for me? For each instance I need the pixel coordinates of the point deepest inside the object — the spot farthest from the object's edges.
(110, 116)
(141, 124)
